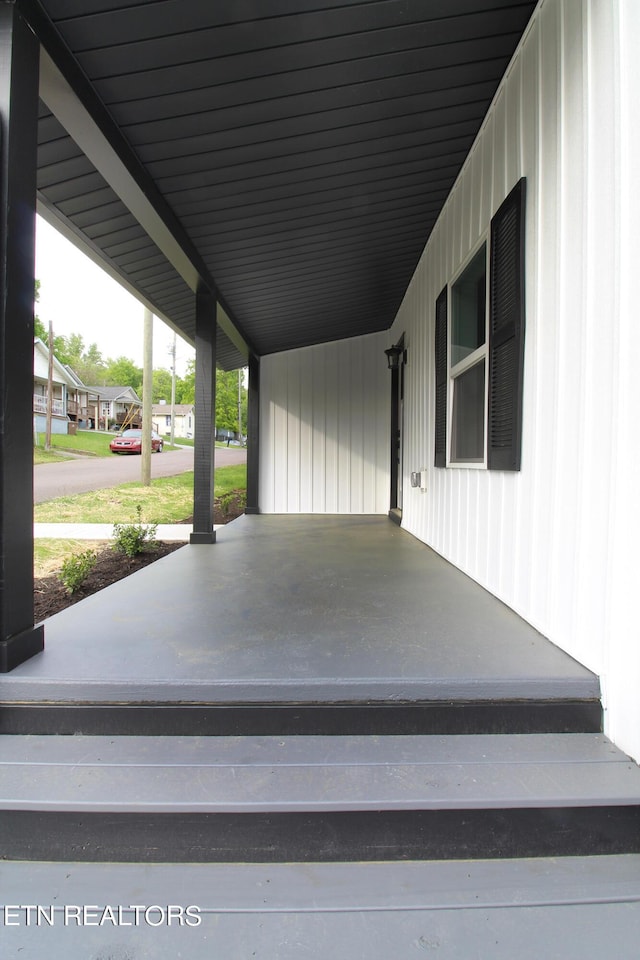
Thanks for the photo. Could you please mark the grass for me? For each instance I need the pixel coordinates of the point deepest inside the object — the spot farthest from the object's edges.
(190, 442)
(48, 555)
(47, 456)
(85, 441)
(88, 442)
(167, 500)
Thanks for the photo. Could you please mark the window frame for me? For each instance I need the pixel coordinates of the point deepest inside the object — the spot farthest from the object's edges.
(477, 356)
(505, 318)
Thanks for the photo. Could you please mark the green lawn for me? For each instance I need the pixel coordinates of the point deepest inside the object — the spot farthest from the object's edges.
(49, 555)
(47, 456)
(85, 441)
(167, 500)
(189, 442)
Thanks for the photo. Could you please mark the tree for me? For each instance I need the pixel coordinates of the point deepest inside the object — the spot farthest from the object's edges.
(186, 386)
(69, 349)
(227, 401)
(39, 329)
(226, 396)
(87, 363)
(162, 385)
(123, 372)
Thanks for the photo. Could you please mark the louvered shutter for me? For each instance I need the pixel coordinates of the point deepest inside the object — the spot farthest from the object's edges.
(441, 381)
(506, 332)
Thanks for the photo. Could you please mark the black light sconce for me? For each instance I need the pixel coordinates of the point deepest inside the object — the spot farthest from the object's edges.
(393, 356)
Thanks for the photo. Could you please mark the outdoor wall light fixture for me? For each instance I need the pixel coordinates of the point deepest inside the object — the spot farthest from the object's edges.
(393, 356)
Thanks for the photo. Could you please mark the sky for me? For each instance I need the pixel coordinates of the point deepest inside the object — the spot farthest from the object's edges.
(78, 297)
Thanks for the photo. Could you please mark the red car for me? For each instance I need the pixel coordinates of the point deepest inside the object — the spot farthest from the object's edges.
(131, 442)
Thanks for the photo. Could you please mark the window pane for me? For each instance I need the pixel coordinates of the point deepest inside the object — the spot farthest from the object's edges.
(469, 309)
(467, 437)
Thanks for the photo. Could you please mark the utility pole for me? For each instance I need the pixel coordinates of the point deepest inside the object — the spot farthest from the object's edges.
(240, 404)
(47, 436)
(173, 389)
(147, 397)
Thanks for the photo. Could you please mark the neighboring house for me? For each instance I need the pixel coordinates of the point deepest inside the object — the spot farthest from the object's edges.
(118, 406)
(82, 403)
(73, 402)
(64, 389)
(183, 423)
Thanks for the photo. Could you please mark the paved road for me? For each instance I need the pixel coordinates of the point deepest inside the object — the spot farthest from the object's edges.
(93, 473)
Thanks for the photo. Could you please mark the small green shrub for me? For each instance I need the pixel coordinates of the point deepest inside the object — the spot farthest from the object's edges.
(227, 500)
(132, 538)
(76, 569)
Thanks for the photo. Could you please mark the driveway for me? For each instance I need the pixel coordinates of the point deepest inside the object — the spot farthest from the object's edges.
(94, 473)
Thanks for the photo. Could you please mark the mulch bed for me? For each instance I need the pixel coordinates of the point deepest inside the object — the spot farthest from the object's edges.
(50, 595)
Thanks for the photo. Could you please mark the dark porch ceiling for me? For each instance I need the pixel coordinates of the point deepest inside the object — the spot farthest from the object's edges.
(299, 151)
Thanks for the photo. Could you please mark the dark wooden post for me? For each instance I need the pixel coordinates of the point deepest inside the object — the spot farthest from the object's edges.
(19, 59)
(253, 436)
(205, 419)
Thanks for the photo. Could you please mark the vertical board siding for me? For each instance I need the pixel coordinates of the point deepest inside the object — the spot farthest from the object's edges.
(542, 539)
(624, 531)
(325, 428)
(556, 541)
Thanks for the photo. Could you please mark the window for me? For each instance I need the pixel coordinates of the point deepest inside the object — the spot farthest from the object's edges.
(479, 350)
(468, 359)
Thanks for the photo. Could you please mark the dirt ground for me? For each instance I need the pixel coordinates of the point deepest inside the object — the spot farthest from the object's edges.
(50, 595)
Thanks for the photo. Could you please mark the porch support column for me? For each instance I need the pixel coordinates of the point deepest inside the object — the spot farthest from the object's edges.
(205, 418)
(253, 436)
(19, 58)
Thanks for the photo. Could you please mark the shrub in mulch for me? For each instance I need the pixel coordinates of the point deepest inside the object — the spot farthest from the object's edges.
(51, 596)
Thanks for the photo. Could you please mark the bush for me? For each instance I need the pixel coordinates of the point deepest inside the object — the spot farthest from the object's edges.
(132, 538)
(237, 498)
(76, 569)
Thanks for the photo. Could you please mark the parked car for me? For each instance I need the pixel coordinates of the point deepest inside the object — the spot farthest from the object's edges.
(130, 441)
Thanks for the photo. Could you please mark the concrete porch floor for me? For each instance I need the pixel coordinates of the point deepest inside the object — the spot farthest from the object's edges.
(296, 609)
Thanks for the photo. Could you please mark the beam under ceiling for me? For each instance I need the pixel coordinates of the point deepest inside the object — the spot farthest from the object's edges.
(71, 100)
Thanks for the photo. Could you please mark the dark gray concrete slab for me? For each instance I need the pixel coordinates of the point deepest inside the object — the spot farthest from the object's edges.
(574, 908)
(296, 609)
(313, 774)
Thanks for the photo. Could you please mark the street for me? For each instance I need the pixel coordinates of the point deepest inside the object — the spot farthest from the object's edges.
(94, 473)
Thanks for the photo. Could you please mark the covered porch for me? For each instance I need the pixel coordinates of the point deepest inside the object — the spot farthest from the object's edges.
(326, 689)
(299, 610)
(327, 729)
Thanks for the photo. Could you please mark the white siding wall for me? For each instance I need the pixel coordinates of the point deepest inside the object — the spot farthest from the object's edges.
(324, 428)
(622, 669)
(558, 541)
(554, 541)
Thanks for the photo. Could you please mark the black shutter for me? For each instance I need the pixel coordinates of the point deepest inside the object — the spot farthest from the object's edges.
(506, 332)
(441, 381)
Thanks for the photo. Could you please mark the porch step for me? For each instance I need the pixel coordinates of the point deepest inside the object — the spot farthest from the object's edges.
(534, 715)
(315, 798)
(571, 908)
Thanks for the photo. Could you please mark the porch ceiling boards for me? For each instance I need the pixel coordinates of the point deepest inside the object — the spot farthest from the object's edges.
(299, 150)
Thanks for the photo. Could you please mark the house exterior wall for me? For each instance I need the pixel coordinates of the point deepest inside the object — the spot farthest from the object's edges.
(324, 428)
(554, 541)
(60, 388)
(59, 425)
(183, 423)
